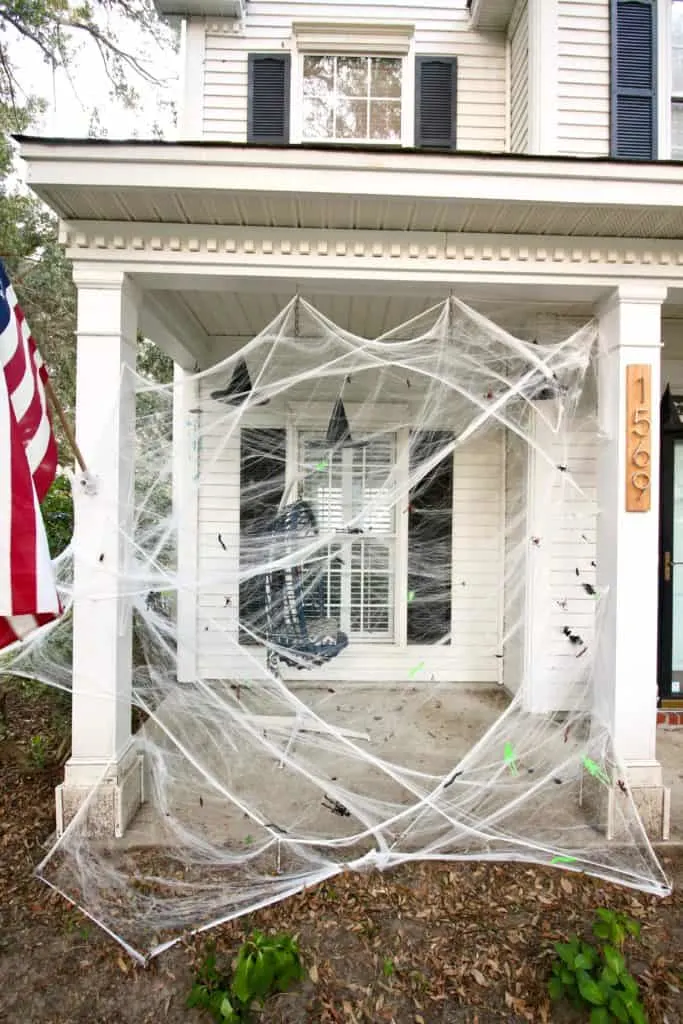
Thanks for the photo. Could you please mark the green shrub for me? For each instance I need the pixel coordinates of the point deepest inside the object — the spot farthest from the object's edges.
(595, 976)
(265, 965)
(38, 751)
(58, 515)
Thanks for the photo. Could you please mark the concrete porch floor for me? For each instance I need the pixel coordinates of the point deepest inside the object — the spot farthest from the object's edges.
(423, 730)
(670, 755)
(225, 826)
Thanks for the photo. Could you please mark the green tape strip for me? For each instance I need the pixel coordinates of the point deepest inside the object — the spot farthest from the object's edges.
(596, 771)
(510, 759)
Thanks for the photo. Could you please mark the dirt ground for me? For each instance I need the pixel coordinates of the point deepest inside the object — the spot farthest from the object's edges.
(425, 944)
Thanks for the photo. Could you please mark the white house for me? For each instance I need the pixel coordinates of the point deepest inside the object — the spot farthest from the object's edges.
(519, 155)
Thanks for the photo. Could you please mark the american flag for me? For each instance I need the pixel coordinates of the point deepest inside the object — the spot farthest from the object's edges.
(28, 463)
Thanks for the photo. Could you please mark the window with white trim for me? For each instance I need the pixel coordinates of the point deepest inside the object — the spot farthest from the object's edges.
(354, 486)
(677, 80)
(352, 98)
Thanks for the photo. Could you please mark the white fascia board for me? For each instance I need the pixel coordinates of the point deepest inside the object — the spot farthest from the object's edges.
(295, 171)
(491, 15)
(200, 8)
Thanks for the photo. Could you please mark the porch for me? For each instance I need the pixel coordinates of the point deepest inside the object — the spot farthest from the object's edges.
(537, 248)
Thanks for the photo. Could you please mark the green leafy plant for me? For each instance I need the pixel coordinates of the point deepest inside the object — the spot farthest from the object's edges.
(38, 750)
(595, 975)
(388, 967)
(265, 965)
(58, 515)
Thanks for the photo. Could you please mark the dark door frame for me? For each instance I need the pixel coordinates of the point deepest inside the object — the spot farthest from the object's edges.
(671, 432)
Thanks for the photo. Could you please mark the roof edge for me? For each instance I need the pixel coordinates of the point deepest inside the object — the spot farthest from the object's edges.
(373, 150)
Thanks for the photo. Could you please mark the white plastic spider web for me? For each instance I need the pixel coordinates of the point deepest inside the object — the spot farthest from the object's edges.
(370, 524)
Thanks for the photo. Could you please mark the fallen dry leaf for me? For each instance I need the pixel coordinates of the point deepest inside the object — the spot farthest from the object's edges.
(438, 924)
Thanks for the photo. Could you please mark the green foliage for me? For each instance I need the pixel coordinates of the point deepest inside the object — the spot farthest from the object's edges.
(595, 976)
(265, 965)
(613, 927)
(388, 967)
(38, 751)
(53, 31)
(58, 515)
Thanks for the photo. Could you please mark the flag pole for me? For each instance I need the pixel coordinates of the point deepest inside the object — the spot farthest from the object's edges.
(66, 426)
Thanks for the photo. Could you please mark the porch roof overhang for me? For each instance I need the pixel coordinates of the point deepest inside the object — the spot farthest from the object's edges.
(491, 15)
(354, 189)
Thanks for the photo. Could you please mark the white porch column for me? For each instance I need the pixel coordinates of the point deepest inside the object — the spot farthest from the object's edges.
(102, 751)
(625, 695)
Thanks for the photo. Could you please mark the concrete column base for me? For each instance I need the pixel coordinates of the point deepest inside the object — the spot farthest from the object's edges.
(654, 807)
(113, 795)
(605, 807)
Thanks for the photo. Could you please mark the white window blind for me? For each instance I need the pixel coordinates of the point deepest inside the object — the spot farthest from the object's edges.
(352, 494)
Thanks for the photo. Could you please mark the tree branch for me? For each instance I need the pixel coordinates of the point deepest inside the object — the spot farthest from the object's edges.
(107, 43)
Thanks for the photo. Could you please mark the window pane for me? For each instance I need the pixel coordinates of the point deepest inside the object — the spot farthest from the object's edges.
(430, 545)
(262, 481)
(317, 118)
(351, 98)
(318, 98)
(385, 120)
(372, 494)
(677, 23)
(351, 121)
(677, 50)
(385, 77)
(352, 76)
(318, 75)
(677, 131)
(677, 70)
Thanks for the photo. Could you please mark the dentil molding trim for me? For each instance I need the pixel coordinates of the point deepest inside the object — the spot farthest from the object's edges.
(206, 244)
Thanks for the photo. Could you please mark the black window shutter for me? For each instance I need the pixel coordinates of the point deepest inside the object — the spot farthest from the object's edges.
(634, 79)
(436, 102)
(268, 99)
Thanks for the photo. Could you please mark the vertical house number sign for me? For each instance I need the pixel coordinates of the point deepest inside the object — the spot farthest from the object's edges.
(638, 438)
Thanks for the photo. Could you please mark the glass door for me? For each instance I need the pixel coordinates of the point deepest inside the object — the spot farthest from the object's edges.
(670, 671)
(674, 570)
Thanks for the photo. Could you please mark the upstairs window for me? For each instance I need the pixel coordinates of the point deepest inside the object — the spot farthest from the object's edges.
(677, 80)
(350, 83)
(352, 99)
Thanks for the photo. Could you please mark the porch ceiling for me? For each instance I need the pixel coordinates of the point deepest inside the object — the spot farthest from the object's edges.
(393, 190)
(229, 318)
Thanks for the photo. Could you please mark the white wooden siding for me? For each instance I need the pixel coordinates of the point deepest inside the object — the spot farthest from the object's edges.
(478, 504)
(561, 573)
(572, 562)
(478, 546)
(440, 28)
(519, 77)
(583, 88)
(218, 563)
